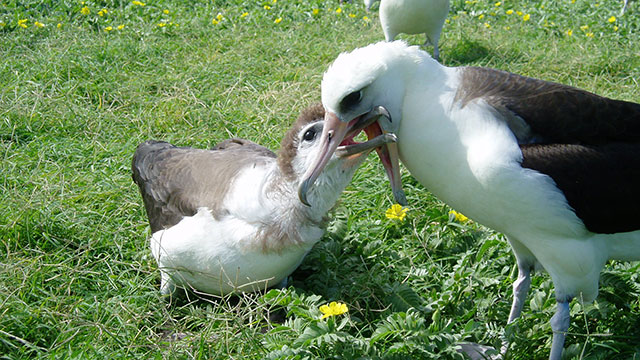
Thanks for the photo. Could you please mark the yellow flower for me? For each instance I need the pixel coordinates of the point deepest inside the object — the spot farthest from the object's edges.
(59, 25)
(487, 25)
(589, 34)
(244, 14)
(509, 12)
(365, 18)
(22, 23)
(219, 17)
(120, 27)
(569, 32)
(267, 7)
(584, 27)
(498, 3)
(573, 1)
(108, 28)
(481, 17)
(162, 24)
(396, 212)
(615, 28)
(38, 24)
(519, 13)
(85, 11)
(457, 216)
(612, 19)
(139, 3)
(338, 10)
(165, 11)
(102, 12)
(277, 21)
(526, 17)
(315, 11)
(334, 308)
(275, 1)
(215, 22)
(352, 15)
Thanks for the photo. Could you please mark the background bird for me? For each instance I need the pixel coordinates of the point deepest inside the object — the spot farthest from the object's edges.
(228, 219)
(414, 17)
(552, 167)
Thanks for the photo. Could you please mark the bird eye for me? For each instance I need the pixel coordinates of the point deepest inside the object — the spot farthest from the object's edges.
(309, 135)
(351, 99)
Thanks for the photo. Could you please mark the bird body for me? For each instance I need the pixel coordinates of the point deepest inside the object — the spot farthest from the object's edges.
(552, 167)
(228, 219)
(414, 17)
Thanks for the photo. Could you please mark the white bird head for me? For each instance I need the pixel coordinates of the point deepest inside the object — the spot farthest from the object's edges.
(302, 143)
(360, 87)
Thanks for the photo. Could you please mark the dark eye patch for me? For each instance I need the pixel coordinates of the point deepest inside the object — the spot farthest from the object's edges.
(351, 100)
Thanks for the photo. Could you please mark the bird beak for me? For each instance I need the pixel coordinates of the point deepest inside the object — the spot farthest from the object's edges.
(333, 134)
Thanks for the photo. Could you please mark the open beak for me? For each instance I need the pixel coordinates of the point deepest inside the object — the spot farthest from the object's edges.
(333, 134)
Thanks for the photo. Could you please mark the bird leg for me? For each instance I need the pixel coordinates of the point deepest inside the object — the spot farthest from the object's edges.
(520, 290)
(560, 325)
(436, 52)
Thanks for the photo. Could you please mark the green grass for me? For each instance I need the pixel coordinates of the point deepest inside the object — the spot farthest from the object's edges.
(76, 275)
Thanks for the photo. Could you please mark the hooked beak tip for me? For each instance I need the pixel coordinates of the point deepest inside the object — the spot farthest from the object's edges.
(302, 192)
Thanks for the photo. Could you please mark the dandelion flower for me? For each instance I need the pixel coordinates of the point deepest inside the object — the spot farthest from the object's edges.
(315, 11)
(215, 22)
(267, 7)
(396, 212)
(108, 28)
(219, 17)
(615, 28)
(277, 21)
(526, 17)
(487, 25)
(481, 17)
(612, 19)
(22, 23)
(139, 3)
(569, 32)
(338, 10)
(38, 24)
(244, 14)
(59, 25)
(161, 24)
(334, 308)
(165, 11)
(509, 12)
(102, 12)
(85, 11)
(498, 4)
(589, 34)
(457, 216)
(584, 27)
(365, 18)
(519, 13)
(275, 1)
(120, 27)
(352, 15)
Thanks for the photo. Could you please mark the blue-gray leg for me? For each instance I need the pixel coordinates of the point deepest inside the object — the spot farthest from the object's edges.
(560, 325)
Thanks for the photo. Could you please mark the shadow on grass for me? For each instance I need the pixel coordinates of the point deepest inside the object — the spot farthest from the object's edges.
(466, 51)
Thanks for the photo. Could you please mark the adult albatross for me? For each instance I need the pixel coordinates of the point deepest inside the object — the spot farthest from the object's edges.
(228, 219)
(554, 168)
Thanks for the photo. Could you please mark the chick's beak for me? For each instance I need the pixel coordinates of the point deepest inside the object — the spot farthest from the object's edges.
(333, 133)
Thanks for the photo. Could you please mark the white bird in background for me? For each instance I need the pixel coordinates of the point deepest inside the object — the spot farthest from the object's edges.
(554, 168)
(228, 219)
(414, 17)
(624, 7)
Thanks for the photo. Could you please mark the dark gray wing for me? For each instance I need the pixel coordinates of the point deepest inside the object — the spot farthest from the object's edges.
(175, 181)
(539, 111)
(600, 182)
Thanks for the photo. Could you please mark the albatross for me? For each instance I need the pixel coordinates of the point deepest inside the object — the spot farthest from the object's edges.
(554, 168)
(414, 17)
(228, 219)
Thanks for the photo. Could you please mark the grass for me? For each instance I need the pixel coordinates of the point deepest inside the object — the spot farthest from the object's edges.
(76, 276)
